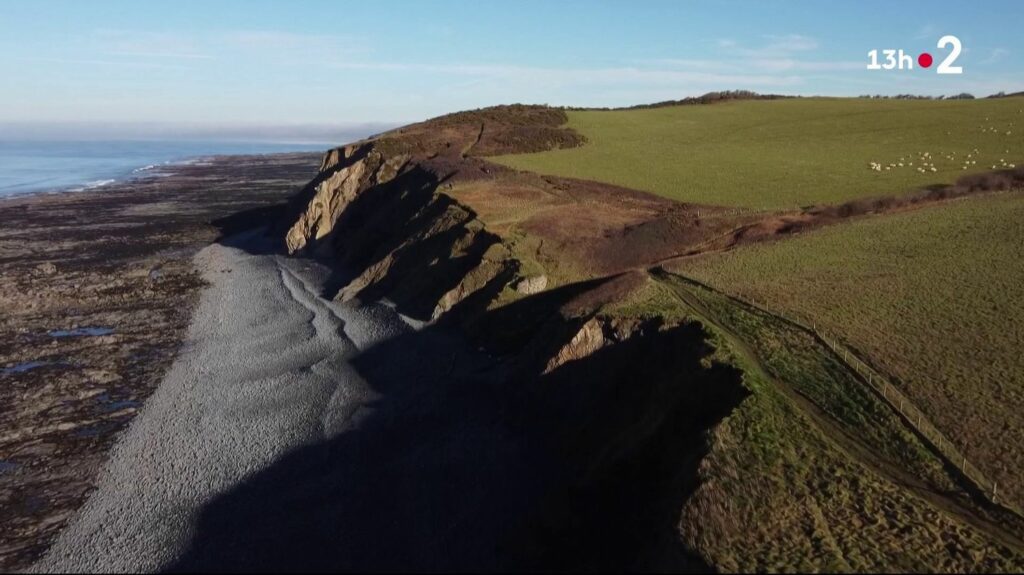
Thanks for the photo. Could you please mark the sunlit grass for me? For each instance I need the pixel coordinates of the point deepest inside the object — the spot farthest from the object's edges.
(933, 295)
(789, 153)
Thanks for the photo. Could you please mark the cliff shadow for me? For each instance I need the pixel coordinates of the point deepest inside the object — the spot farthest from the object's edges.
(457, 465)
(629, 425)
(247, 230)
(424, 477)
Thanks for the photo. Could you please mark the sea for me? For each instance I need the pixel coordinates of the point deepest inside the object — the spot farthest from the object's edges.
(72, 166)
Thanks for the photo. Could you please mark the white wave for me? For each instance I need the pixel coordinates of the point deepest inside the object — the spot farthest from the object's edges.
(93, 185)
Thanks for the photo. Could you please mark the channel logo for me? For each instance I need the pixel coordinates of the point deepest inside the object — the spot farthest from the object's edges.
(898, 59)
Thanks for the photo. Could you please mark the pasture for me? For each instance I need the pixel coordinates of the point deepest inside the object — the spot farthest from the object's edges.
(932, 296)
(785, 154)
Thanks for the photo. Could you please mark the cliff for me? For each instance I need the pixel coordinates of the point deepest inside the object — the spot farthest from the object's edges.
(672, 438)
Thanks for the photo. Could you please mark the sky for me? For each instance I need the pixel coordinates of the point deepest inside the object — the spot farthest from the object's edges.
(315, 69)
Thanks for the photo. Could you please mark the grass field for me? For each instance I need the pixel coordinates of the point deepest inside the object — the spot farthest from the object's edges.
(932, 295)
(788, 153)
(783, 492)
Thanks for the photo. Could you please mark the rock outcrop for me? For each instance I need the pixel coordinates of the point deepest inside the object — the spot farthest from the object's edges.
(377, 206)
(532, 285)
(587, 340)
(344, 174)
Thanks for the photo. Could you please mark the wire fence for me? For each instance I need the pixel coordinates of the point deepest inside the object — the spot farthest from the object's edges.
(883, 388)
(709, 213)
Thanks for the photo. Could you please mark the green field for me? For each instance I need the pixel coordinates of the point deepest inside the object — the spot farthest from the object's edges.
(793, 488)
(783, 154)
(934, 296)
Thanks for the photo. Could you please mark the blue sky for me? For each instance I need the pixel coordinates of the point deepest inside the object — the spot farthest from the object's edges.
(309, 65)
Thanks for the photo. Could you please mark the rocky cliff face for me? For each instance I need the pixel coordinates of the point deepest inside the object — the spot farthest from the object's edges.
(652, 443)
(379, 207)
(632, 410)
(344, 173)
(384, 212)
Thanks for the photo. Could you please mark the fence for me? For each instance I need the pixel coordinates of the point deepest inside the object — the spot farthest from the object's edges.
(883, 388)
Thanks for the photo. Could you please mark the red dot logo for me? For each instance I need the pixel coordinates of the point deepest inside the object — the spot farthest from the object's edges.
(925, 60)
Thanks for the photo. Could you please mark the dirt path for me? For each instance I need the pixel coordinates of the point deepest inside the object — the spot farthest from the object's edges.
(844, 441)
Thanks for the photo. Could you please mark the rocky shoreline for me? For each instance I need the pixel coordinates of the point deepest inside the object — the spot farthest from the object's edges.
(96, 290)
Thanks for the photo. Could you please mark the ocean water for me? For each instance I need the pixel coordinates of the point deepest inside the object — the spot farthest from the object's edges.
(47, 166)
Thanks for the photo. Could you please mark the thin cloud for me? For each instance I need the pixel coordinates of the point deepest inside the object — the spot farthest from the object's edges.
(287, 42)
(789, 43)
(577, 76)
(102, 62)
(225, 43)
(773, 46)
(996, 55)
(153, 54)
(759, 65)
(927, 32)
(148, 45)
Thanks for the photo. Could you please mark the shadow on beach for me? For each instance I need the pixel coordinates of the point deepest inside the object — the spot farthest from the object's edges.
(462, 464)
